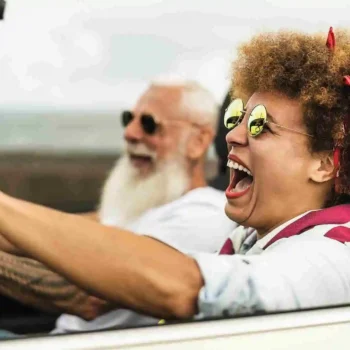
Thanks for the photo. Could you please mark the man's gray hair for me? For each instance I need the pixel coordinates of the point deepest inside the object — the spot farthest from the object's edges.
(198, 103)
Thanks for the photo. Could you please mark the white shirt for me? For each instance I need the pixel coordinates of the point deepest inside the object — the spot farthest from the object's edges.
(307, 267)
(193, 223)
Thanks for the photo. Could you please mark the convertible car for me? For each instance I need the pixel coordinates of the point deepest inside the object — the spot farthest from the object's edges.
(320, 329)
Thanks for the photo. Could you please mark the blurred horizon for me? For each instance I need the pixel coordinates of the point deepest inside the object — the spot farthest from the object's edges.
(59, 131)
(68, 67)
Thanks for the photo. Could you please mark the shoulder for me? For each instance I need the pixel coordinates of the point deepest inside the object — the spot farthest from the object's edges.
(337, 232)
(194, 208)
(203, 196)
(197, 206)
(325, 238)
(195, 222)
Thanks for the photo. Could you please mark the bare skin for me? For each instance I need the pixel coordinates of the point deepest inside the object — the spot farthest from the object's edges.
(92, 215)
(170, 280)
(32, 283)
(165, 104)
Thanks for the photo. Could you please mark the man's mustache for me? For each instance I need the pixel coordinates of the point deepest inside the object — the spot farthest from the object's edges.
(140, 149)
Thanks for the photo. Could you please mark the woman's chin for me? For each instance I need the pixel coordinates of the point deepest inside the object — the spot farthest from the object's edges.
(236, 214)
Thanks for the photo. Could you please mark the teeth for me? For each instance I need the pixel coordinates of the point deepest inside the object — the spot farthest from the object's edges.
(235, 165)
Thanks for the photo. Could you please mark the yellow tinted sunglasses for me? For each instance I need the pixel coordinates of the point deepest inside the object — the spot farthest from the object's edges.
(256, 122)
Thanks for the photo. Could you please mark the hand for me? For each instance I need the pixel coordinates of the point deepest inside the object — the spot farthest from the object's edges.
(94, 307)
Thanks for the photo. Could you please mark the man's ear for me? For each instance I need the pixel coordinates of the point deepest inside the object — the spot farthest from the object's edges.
(323, 168)
(199, 142)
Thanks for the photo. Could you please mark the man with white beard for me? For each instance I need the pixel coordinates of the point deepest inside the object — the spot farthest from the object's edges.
(157, 188)
(127, 194)
(167, 137)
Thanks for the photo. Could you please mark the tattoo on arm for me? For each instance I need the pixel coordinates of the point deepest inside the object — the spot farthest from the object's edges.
(31, 282)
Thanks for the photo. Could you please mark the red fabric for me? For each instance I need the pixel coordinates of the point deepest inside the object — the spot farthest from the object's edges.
(336, 158)
(346, 80)
(227, 248)
(337, 215)
(330, 39)
(340, 234)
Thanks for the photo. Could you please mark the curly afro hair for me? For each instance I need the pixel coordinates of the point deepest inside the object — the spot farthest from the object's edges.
(302, 67)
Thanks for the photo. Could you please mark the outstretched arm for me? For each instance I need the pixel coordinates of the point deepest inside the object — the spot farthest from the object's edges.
(32, 283)
(93, 215)
(134, 271)
(6, 246)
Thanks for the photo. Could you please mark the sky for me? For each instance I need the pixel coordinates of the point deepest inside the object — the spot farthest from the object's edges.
(101, 54)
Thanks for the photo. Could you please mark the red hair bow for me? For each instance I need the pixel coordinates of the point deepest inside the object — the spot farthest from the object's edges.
(338, 149)
(346, 80)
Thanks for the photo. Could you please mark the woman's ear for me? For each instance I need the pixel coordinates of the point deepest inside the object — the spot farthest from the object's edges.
(323, 168)
(199, 142)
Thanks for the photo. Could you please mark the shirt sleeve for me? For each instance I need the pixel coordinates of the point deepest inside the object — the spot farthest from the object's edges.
(294, 273)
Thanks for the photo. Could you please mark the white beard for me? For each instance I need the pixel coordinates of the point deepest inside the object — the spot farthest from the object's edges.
(126, 195)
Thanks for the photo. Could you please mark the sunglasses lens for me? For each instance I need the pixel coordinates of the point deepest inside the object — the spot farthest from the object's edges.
(233, 113)
(257, 120)
(149, 124)
(126, 118)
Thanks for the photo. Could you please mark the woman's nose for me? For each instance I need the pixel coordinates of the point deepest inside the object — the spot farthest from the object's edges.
(238, 135)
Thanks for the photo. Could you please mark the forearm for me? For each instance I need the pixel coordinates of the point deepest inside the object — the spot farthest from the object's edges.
(92, 215)
(32, 283)
(6, 246)
(134, 271)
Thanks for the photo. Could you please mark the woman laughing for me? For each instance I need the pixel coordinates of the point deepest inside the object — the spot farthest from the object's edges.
(289, 148)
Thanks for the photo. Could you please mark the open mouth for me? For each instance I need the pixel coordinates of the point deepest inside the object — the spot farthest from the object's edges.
(241, 178)
(141, 160)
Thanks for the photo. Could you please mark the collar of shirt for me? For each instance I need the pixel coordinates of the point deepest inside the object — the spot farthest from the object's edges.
(258, 247)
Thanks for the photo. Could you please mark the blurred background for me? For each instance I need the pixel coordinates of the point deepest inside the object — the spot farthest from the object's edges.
(68, 67)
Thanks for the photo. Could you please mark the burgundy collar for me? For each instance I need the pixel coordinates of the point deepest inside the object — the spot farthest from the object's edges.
(339, 214)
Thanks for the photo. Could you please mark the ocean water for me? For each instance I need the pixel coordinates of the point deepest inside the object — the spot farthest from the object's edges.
(61, 131)
(57, 131)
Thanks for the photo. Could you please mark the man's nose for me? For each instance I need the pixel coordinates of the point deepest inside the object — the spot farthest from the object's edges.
(133, 132)
(238, 136)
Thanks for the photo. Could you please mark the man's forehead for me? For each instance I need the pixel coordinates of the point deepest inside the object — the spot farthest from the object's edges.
(159, 100)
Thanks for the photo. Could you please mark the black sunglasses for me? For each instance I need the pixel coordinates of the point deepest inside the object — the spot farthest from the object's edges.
(148, 122)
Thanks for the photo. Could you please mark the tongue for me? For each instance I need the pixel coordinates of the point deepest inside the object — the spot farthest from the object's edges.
(243, 184)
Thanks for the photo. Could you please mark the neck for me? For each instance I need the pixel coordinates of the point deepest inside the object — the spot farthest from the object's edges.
(262, 232)
(198, 177)
(314, 200)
